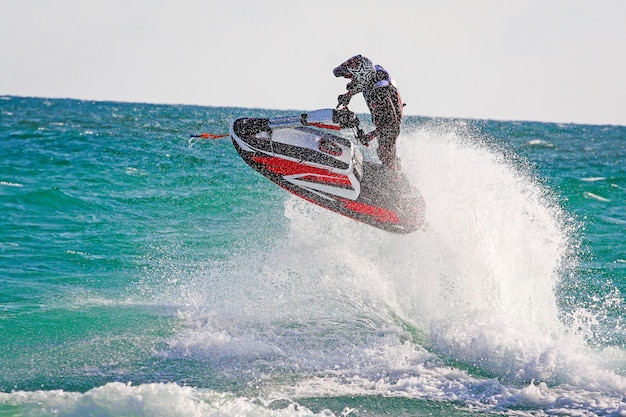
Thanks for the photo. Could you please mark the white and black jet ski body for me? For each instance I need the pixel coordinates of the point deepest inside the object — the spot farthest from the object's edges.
(305, 155)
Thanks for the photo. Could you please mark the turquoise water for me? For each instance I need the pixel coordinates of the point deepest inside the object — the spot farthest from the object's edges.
(143, 273)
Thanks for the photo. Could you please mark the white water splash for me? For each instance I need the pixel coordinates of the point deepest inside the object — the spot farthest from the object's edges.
(464, 311)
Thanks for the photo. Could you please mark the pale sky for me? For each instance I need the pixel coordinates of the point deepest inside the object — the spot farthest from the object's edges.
(541, 60)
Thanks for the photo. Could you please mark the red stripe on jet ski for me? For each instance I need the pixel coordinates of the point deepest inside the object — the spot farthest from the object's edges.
(382, 215)
(337, 180)
(325, 126)
(284, 167)
(379, 214)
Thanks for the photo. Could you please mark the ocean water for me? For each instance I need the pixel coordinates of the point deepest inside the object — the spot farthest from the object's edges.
(143, 273)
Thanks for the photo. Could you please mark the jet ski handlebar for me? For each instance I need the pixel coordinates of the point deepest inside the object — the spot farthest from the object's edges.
(345, 118)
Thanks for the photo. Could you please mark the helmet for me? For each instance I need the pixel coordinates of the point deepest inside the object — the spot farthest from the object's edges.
(358, 68)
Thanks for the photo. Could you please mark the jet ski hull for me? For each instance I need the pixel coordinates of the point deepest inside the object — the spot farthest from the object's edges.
(328, 170)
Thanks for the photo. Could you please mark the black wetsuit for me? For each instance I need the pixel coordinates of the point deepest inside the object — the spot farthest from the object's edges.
(385, 105)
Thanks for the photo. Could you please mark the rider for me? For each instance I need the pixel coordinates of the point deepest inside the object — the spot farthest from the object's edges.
(382, 98)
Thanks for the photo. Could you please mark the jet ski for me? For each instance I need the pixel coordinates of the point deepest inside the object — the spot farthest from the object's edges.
(314, 156)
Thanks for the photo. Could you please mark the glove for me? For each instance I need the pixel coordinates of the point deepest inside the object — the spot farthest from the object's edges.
(344, 99)
(365, 139)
